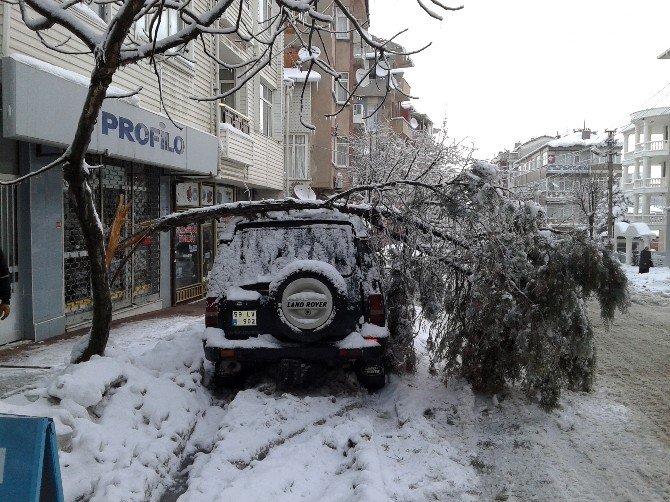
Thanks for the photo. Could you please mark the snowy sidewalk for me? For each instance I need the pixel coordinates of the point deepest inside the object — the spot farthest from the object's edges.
(22, 363)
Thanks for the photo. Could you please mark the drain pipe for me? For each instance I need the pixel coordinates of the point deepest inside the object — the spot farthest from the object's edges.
(288, 88)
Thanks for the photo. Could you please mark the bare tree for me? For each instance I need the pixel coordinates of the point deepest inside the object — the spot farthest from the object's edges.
(590, 197)
(117, 47)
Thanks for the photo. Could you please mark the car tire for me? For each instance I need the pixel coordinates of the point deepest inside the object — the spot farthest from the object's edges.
(339, 321)
(371, 374)
(227, 379)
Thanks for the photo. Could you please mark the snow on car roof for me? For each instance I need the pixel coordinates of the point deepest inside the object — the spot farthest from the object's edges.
(319, 214)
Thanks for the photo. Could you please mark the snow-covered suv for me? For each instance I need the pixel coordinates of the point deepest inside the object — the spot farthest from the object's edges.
(299, 290)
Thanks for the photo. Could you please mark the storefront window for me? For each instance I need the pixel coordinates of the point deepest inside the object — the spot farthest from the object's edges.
(207, 233)
(195, 244)
(187, 256)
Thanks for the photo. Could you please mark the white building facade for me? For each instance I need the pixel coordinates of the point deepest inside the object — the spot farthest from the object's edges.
(216, 152)
(645, 164)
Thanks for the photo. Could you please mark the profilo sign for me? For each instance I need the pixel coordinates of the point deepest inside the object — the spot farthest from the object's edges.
(154, 137)
(42, 104)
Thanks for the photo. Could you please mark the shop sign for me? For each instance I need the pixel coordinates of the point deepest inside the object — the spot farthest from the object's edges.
(123, 130)
(187, 194)
(187, 234)
(148, 136)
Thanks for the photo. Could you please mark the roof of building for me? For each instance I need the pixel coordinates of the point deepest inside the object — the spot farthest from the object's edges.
(576, 139)
(665, 55)
(638, 229)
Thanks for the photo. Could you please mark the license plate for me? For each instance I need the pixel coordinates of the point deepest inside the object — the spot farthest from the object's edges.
(244, 318)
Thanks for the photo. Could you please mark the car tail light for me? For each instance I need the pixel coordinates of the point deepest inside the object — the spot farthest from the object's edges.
(227, 353)
(376, 310)
(212, 312)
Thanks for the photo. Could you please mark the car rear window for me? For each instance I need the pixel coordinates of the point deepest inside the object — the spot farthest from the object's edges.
(256, 254)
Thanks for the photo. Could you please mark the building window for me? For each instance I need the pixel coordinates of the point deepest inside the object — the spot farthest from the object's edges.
(297, 144)
(342, 88)
(341, 25)
(341, 151)
(226, 83)
(265, 125)
(264, 10)
(170, 23)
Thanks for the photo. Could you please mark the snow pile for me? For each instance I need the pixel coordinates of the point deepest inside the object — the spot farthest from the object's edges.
(298, 75)
(656, 283)
(122, 421)
(71, 76)
(575, 139)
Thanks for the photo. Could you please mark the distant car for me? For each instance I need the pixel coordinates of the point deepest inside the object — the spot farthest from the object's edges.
(300, 291)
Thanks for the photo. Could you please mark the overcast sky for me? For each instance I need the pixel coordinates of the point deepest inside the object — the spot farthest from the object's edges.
(505, 71)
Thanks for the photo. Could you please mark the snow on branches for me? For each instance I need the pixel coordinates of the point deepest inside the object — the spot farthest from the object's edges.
(507, 302)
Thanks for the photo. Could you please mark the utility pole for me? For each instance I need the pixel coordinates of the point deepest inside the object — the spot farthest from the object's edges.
(610, 188)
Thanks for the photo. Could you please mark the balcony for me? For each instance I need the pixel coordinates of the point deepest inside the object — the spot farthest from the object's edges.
(401, 126)
(233, 117)
(568, 168)
(237, 145)
(645, 185)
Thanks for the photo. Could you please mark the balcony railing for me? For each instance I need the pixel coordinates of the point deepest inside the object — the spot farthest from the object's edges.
(649, 219)
(652, 146)
(233, 117)
(568, 168)
(649, 183)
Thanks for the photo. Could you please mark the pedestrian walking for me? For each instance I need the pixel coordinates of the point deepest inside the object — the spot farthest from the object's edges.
(645, 260)
(5, 287)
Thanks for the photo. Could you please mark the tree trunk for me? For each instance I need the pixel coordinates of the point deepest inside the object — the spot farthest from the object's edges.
(95, 245)
(76, 174)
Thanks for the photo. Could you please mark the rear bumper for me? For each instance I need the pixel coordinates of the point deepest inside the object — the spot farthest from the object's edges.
(266, 349)
(322, 354)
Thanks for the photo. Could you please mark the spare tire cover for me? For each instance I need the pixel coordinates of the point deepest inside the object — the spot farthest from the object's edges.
(310, 299)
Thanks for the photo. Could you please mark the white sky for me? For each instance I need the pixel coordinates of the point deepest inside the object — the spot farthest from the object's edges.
(506, 71)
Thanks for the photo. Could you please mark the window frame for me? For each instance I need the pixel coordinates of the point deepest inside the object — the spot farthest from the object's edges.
(265, 105)
(264, 11)
(338, 88)
(228, 82)
(341, 33)
(293, 155)
(141, 31)
(337, 142)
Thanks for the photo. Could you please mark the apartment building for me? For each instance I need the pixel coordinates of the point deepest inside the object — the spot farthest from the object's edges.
(506, 158)
(214, 152)
(324, 105)
(646, 159)
(552, 169)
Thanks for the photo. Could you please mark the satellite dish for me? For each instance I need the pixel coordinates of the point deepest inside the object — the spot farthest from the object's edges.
(305, 54)
(413, 123)
(380, 70)
(304, 192)
(362, 77)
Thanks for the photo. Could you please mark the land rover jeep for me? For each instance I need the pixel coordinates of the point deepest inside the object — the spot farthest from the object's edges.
(298, 290)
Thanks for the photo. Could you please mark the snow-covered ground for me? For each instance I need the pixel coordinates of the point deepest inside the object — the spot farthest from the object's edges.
(142, 424)
(657, 281)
